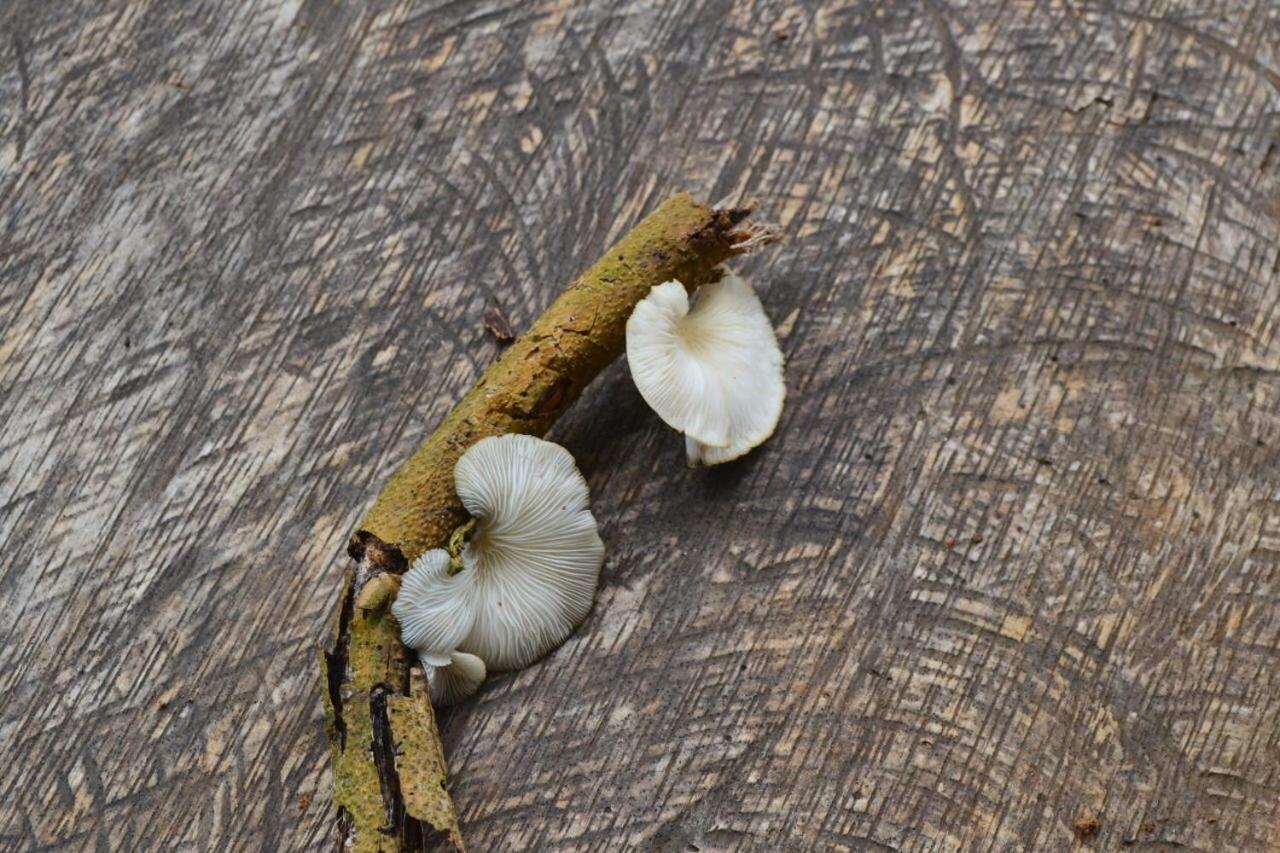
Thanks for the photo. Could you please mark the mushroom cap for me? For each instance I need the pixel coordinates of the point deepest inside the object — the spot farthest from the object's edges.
(713, 372)
(529, 571)
(455, 681)
(535, 556)
(435, 609)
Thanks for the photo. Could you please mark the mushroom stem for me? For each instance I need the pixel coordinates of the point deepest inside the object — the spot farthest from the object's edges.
(389, 799)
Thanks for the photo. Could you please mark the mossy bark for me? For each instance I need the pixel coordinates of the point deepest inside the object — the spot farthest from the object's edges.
(388, 766)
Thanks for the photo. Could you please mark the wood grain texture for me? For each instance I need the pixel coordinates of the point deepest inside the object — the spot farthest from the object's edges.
(1013, 558)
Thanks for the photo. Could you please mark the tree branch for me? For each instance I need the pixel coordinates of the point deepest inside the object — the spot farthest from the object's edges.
(388, 765)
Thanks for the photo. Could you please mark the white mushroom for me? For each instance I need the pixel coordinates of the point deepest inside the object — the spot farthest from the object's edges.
(528, 572)
(449, 685)
(535, 553)
(435, 609)
(713, 372)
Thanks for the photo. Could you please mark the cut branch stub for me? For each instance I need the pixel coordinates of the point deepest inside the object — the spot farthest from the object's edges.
(388, 766)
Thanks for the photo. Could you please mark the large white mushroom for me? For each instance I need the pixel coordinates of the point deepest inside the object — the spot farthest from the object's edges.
(713, 372)
(528, 570)
(535, 552)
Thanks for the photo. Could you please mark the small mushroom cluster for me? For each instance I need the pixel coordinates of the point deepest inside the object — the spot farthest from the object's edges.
(525, 573)
(522, 574)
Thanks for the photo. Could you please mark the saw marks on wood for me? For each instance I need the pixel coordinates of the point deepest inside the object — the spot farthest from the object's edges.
(1009, 568)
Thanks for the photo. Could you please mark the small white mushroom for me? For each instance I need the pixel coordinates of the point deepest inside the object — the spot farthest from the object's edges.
(528, 572)
(435, 609)
(713, 372)
(449, 685)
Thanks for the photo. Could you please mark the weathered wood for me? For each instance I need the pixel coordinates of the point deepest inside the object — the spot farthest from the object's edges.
(1011, 561)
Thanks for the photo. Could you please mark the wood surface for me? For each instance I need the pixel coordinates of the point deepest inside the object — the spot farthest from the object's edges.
(1008, 576)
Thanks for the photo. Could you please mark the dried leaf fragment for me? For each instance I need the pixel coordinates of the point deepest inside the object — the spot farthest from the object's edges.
(498, 324)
